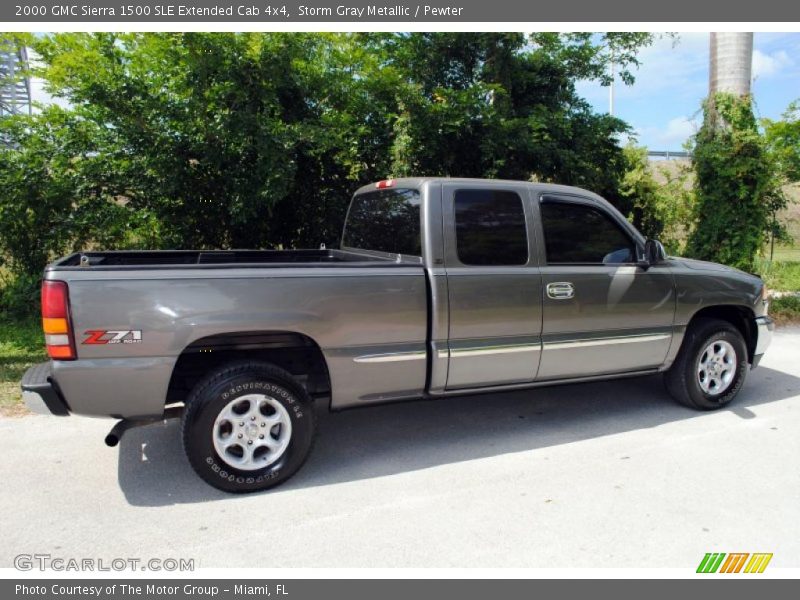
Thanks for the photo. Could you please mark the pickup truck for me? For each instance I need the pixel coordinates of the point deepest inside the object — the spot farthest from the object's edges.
(439, 287)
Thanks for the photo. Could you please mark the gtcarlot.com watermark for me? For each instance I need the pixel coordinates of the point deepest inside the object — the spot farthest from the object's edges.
(48, 562)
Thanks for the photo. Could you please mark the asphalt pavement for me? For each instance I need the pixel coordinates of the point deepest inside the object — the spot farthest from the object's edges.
(610, 474)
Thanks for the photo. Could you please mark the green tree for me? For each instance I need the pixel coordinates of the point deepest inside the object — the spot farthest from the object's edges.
(661, 206)
(258, 139)
(643, 193)
(783, 141)
(505, 105)
(59, 194)
(205, 123)
(737, 185)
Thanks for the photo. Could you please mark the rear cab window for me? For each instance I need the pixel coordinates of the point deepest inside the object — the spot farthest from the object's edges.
(386, 220)
(490, 228)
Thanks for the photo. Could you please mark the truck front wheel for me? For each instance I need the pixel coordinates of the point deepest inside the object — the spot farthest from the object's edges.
(711, 366)
(247, 427)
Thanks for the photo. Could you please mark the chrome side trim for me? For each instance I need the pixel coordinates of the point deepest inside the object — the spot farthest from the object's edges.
(526, 385)
(627, 339)
(488, 350)
(390, 357)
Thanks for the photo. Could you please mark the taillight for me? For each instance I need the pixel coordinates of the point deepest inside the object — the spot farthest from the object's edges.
(55, 321)
(386, 183)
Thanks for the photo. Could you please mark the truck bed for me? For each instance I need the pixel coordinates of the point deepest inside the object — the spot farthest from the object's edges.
(154, 259)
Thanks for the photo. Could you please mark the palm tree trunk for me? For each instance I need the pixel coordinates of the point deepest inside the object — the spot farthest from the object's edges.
(731, 63)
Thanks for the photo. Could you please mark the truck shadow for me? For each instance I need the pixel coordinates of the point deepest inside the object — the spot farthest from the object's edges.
(389, 439)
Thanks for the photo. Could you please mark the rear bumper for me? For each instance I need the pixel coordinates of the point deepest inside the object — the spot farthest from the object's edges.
(764, 328)
(39, 392)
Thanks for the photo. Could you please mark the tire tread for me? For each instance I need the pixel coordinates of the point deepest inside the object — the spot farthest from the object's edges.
(194, 403)
(676, 379)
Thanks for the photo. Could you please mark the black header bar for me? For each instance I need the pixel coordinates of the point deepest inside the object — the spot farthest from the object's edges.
(432, 11)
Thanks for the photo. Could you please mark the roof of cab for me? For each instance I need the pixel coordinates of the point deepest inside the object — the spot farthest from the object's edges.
(417, 182)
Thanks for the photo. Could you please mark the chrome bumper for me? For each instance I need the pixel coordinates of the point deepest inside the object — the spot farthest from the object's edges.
(764, 329)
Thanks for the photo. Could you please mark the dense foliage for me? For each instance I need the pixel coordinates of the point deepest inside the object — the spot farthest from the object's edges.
(660, 198)
(737, 184)
(258, 139)
(783, 141)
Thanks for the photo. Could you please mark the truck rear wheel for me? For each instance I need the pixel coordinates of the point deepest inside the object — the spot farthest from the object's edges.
(711, 366)
(248, 426)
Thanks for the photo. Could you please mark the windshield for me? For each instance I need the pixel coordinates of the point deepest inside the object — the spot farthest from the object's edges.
(385, 220)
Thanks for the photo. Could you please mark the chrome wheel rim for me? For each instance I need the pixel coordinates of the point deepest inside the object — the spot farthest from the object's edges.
(252, 432)
(716, 367)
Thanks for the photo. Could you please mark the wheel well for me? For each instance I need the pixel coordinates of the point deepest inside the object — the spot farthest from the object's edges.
(294, 352)
(740, 317)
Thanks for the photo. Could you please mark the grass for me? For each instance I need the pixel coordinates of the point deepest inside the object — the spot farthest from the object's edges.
(786, 253)
(790, 218)
(21, 345)
(785, 309)
(780, 276)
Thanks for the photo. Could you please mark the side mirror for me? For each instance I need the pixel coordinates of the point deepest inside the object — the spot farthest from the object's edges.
(654, 252)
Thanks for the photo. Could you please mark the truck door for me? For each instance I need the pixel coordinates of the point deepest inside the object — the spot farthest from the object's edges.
(493, 283)
(602, 312)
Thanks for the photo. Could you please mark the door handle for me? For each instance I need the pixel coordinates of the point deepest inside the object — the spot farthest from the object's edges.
(560, 290)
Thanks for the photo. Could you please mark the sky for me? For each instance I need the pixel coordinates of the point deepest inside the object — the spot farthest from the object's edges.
(663, 105)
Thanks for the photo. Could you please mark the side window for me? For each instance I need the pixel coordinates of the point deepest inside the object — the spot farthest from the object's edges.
(582, 234)
(490, 228)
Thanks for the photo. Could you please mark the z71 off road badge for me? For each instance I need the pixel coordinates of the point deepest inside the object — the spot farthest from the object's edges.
(113, 336)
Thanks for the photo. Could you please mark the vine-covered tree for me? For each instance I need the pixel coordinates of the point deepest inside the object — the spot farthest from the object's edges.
(737, 185)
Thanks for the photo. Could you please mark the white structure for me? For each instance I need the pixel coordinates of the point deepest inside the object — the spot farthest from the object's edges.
(15, 90)
(731, 63)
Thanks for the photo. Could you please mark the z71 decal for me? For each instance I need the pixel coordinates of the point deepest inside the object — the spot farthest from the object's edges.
(113, 336)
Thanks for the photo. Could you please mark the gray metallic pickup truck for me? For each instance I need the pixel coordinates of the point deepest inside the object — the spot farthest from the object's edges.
(440, 287)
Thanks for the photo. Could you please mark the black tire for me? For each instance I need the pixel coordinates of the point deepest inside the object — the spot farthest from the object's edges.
(216, 392)
(682, 380)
